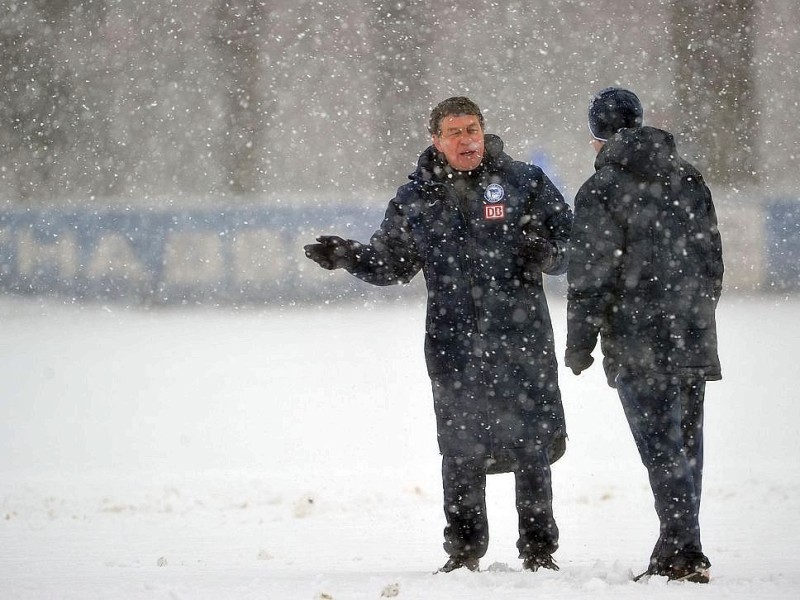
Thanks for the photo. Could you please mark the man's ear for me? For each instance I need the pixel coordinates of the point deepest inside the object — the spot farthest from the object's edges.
(435, 142)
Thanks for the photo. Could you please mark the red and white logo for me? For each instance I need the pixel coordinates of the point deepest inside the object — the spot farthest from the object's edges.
(494, 211)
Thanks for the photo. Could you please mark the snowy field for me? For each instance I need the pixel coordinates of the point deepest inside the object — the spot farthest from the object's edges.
(291, 455)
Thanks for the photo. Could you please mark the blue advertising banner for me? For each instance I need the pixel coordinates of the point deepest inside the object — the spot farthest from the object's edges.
(783, 244)
(164, 257)
(255, 255)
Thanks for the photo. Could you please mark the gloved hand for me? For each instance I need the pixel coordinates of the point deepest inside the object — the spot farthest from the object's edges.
(578, 361)
(332, 252)
(539, 251)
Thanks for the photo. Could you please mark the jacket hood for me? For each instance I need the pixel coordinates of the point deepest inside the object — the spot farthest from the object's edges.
(646, 151)
(432, 166)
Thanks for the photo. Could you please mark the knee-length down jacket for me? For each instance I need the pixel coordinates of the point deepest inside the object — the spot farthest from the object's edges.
(489, 342)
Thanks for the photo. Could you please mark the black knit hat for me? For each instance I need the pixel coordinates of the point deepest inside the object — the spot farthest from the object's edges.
(612, 109)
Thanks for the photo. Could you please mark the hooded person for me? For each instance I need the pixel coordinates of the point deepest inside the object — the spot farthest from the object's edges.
(482, 228)
(645, 275)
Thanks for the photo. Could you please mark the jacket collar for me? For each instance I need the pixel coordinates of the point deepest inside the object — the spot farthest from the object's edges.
(643, 150)
(433, 168)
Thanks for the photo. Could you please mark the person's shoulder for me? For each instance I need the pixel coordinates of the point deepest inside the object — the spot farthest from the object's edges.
(522, 174)
(527, 169)
(412, 196)
(500, 160)
(599, 187)
(407, 192)
(688, 171)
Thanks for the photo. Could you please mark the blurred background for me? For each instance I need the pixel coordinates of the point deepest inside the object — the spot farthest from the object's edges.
(183, 151)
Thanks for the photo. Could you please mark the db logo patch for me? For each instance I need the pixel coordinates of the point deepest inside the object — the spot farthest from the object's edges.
(494, 211)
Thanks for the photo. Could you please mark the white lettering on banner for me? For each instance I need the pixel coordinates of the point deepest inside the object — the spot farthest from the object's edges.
(114, 257)
(247, 255)
(259, 255)
(192, 258)
(35, 257)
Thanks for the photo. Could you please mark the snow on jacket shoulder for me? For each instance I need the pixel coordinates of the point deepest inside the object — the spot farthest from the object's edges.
(646, 261)
(488, 331)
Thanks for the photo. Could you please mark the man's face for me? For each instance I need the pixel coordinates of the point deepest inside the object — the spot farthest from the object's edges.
(461, 141)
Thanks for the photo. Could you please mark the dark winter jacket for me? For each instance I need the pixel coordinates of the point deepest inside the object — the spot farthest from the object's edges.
(489, 341)
(645, 269)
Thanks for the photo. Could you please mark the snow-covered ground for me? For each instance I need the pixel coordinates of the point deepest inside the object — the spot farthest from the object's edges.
(291, 454)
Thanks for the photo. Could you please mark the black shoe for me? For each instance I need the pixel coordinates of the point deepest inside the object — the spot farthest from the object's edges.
(698, 574)
(543, 561)
(456, 562)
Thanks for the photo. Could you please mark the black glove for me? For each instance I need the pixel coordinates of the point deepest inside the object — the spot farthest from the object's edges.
(578, 361)
(332, 252)
(539, 251)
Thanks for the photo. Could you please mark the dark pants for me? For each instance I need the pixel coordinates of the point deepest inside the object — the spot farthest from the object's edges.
(467, 531)
(665, 415)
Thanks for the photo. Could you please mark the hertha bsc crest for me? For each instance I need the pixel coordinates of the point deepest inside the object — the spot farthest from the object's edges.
(494, 193)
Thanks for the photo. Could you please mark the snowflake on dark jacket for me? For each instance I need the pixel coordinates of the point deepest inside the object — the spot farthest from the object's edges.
(489, 341)
(645, 270)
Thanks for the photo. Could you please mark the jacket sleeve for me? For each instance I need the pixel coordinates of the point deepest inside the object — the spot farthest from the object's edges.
(595, 251)
(557, 223)
(717, 266)
(391, 256)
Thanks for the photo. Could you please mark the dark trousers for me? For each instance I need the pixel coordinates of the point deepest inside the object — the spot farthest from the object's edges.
(665, 415)
(467, 531)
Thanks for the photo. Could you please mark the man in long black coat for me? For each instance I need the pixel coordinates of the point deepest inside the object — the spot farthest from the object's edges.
(482, 228)
(645, 275)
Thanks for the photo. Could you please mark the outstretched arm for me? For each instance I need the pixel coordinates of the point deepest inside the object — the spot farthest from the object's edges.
(389, 258)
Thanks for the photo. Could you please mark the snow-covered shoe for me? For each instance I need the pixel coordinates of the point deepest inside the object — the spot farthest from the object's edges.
(456, 562)
(695, 575)
(698, 574)
(543, 561)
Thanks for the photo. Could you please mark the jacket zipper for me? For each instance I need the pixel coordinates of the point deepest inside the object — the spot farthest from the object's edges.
(476, 312)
